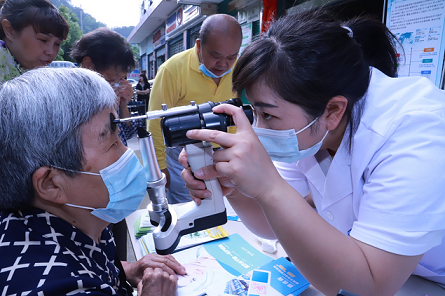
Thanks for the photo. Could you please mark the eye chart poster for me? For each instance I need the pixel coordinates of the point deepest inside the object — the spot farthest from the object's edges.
(419, 26)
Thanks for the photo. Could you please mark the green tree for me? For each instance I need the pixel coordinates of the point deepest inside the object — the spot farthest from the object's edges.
(90, 23)
(74, 34)
(124, 31)
(136, 53)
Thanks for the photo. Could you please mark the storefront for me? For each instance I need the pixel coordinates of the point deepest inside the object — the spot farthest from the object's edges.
(160, 57)
(171, 28)
(173, 32)
(144, 63)
(159, 46)
(249, 19)
(193, 34)
(177, 25)
(175, 45)
(151, 67)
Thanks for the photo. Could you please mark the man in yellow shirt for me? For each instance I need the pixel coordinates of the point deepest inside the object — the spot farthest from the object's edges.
(200, 74)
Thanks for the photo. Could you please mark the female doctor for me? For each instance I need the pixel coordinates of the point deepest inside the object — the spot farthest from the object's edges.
(365, 147)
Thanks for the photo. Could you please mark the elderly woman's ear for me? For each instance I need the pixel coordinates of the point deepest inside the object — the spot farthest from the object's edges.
(49, 185)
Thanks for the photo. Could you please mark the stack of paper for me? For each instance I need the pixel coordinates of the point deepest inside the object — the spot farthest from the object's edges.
(211, 265)
(186, 241)
(231, 266)
(147, 244)
(200, 237)
(142, 226)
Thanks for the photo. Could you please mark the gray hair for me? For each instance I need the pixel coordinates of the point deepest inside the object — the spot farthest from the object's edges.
(43, 111)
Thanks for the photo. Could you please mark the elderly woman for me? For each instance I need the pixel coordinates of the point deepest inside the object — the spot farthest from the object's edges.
(64, 176)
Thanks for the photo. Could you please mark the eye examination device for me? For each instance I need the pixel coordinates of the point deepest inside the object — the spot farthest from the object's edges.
(174, 221)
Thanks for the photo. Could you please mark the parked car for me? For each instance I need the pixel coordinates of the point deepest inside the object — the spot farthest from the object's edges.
(133, 82)
(62, 64)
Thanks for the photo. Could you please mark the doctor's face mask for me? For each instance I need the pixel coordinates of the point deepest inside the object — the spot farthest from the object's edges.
(282, 145)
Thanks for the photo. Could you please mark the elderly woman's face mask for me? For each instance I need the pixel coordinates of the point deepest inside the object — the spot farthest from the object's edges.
(126, 184)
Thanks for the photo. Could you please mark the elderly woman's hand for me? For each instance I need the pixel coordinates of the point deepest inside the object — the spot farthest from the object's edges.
(157, 282)
(167, 263)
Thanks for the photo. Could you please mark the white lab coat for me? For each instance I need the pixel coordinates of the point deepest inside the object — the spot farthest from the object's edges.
(389, 191)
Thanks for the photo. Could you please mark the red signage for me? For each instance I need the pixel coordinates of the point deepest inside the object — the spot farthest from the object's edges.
(171, 23)
(179, 17)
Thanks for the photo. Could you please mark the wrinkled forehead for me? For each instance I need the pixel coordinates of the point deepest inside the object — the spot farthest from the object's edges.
(99, 130)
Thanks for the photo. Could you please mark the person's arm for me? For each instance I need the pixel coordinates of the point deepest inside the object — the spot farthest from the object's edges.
(141, 91)
(147, 89)
(138, 88)
(247, 209)
(327, 258)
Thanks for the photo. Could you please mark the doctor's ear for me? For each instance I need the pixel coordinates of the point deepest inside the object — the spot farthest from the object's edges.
(7, 29)
(334, 111)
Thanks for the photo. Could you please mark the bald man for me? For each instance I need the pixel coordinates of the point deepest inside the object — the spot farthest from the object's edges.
(200, 74)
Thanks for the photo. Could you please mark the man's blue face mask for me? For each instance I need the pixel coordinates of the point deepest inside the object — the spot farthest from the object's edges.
(208, 73)
(126, 184)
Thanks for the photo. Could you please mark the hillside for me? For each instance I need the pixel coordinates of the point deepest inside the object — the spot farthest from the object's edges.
(89, 23)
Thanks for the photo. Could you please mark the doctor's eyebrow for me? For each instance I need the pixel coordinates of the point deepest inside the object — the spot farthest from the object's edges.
(264, 105)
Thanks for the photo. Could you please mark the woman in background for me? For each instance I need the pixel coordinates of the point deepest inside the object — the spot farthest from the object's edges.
(143, 90)
(31, 32)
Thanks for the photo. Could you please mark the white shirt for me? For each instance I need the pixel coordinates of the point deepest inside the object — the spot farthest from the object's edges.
(389, 191)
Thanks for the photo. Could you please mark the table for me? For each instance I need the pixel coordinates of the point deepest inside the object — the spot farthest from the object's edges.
(414, 286)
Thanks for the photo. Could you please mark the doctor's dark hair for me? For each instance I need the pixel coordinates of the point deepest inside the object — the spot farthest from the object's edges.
(42, 15)
(44, 112)
(106, 49)
(309, 58)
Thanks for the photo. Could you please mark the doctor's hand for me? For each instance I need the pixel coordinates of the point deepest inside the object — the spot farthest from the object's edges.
(197, 187)
(243, 163)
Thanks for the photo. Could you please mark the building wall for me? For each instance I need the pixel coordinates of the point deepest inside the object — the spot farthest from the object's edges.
(182, 25)
(180, 29)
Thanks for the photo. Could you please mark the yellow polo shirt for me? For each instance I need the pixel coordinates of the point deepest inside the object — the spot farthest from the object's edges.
(178, 82)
